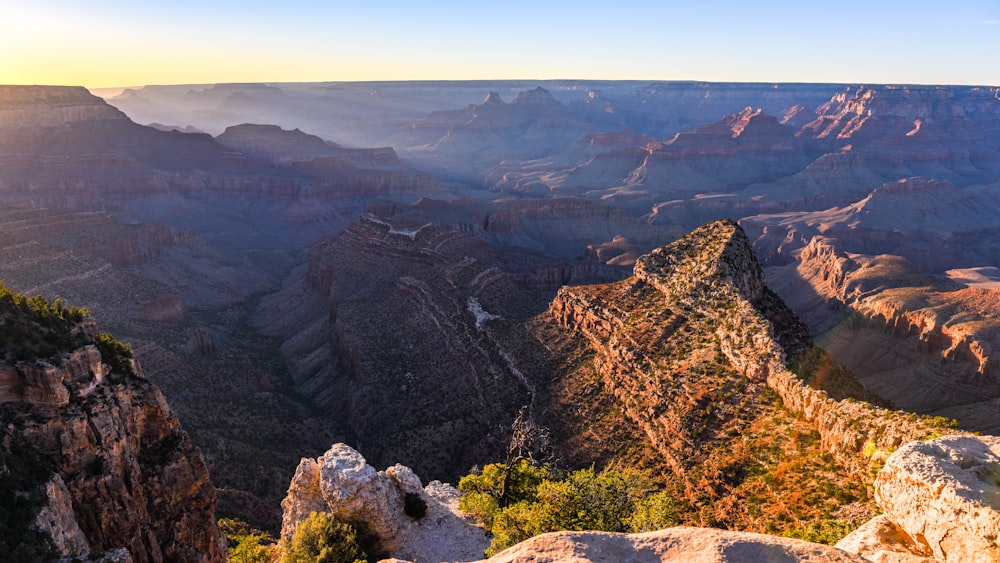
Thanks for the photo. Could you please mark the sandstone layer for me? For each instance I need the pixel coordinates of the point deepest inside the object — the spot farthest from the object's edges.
(925, 343)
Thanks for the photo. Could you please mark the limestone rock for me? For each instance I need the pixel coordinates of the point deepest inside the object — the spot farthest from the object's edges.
(304, 497)
(341, 483)
(407, 479)
(444, 534)
(882, 541)
(355, 491)
(680, 544)
(944, 494)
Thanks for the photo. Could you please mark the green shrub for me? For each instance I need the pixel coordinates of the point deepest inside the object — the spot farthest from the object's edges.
(518, 522)
(246, 545)
(587, 500)
(482, 490)
(828, 531)
(321, 538)
(655, 512)
(581, 500)
(116, 354)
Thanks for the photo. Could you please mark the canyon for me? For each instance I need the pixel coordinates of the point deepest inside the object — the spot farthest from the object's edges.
(404, 266)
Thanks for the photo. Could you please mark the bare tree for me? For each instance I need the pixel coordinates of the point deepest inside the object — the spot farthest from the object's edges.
(528, 441)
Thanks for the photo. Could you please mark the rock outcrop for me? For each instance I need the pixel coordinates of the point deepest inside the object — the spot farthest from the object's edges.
(673, 545)
(121, 471)
(861, 113)
(273, 143)
(52, 106)
(945, 495)
(882, 541)
(340, 482)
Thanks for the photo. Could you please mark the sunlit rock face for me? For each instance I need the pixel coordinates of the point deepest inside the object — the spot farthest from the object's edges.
(944, 494)
(940, 504)
(124, 475)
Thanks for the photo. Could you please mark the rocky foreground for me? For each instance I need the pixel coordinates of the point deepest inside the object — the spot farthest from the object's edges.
(939, 497)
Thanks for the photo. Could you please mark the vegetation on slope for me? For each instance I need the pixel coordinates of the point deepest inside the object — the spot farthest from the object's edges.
(765, 473)
(321, 538)
(32, 328)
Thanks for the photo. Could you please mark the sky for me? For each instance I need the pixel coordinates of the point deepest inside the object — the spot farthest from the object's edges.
(115, 43)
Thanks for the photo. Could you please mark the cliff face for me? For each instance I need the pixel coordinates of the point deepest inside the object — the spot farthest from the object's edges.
(903, 111)
(121, 473)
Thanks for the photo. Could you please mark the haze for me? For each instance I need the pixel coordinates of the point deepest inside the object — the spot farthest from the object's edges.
(106, 43)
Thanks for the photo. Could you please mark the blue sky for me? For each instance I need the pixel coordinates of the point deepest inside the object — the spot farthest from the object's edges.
(103, 43)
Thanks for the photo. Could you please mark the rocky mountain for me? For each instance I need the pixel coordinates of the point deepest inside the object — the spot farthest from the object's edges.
(684, 348)
(924, 342)
(368, 113)
(93, 459)
(421, 316)
(659, 370)
(933, 224)
(946, 133)
(424, 304)
(273, 143)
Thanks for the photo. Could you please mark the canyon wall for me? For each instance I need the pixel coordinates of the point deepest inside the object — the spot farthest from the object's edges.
(122, 472)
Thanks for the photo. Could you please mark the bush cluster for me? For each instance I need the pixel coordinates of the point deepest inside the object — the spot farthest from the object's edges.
(321, 538)
(539, 501)
(32, 328)
(246, 544)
